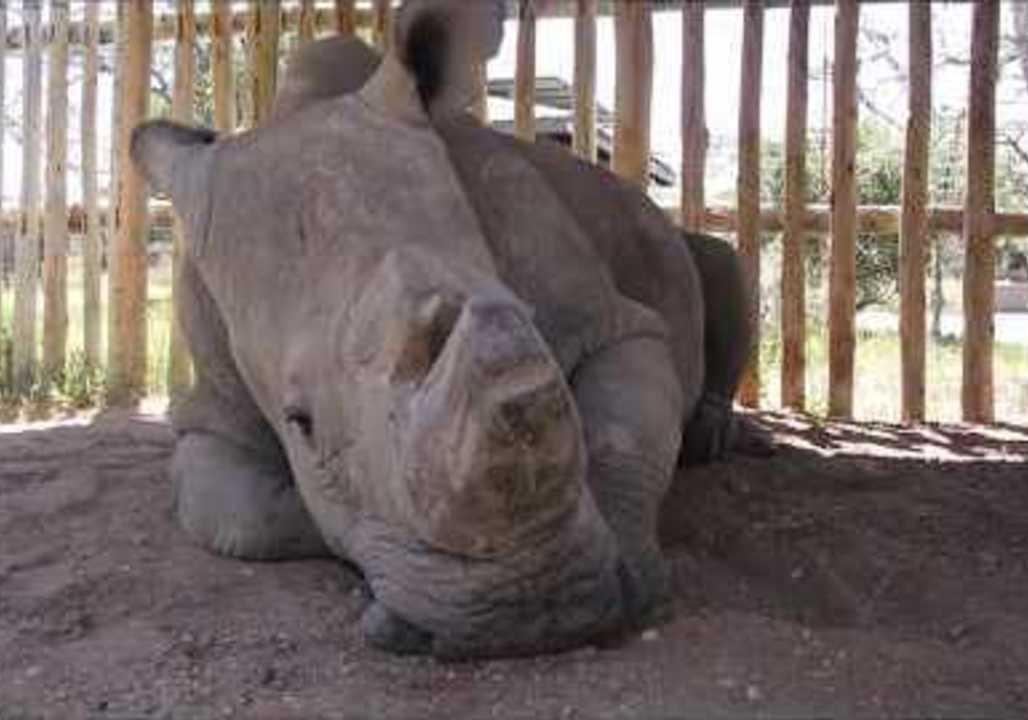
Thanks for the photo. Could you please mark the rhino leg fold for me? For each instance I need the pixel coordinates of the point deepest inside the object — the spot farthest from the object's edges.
(631, 404)
(236, 505)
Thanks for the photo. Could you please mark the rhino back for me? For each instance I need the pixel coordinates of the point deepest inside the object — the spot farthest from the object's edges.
(634, 243)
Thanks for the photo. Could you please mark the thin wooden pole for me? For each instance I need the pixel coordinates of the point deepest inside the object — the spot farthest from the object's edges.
(27, 260)
(524, 73)
(794, 282)
(480, 105)
(91, 234)
(694, 117)
(979, 204)
(221, 67)
(127, 359)
(914, 223)
(585, 80)
(382, 24)
(3, 96)
(633, 30)
(346, 17)
(55, 235)
(308, 21)
(842, 278)
(114, 191)
(748, 185)
(182, 111)
(264, 60)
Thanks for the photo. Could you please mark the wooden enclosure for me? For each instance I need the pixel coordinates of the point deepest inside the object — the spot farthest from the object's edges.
(43, 210)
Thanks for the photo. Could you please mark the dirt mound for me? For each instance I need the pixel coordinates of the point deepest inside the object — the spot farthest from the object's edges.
(865, 570)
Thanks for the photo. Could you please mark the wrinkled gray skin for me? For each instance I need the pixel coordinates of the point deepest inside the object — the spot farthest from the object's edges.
(460, 362)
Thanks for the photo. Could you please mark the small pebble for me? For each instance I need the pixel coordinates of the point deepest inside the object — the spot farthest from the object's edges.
(753, 693)
(34, 671)
(651, 635)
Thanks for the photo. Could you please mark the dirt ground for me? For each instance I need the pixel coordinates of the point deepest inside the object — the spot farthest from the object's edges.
(864, 571)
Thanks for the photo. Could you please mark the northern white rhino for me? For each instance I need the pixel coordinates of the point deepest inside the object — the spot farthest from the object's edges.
(461, 362)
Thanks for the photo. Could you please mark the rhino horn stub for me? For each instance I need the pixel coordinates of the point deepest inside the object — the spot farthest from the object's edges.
(497, 436)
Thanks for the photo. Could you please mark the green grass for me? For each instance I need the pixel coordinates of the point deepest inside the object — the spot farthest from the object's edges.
(877, 389)
(82, 386)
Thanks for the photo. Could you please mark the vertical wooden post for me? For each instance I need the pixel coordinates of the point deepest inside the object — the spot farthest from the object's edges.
(3, 97)
(480, 106)
(794, 281)
(264, 58)
(181, 111)
(346, 17)
(27, 251)
(585, 80)
(114, 190)
(382, 24)
(55, 234)
(842, 276)
(127, 357)
(914, 221)
(308, 21)
(694, 117)
(979, 205)
(748, 185)
(633, 30)
(221, 67)
(91, 238)
(524, 73)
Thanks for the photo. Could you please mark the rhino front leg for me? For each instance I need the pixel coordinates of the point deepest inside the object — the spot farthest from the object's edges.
(715, 429)
(238, 505)
(631, 403)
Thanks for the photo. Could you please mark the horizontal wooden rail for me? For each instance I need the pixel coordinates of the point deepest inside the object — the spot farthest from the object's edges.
(166, 26)
(871, 219)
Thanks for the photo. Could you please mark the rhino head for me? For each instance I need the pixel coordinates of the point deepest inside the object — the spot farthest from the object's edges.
(426, 423)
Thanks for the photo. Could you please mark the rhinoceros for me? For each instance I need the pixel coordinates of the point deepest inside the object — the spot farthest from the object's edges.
(460, 362)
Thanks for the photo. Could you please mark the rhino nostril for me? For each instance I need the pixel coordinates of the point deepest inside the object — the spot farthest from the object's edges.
(437, 318)
(423, 337)
(300, 419)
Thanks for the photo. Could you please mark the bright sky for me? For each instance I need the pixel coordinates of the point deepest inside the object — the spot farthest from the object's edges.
(724, 40)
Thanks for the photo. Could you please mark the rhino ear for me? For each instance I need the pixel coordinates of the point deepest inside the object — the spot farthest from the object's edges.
(177, 160)
(172, 157)
(440, 41)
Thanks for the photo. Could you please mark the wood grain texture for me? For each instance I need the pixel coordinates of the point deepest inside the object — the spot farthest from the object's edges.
(584, 139)
(914, 240)
(794, 203)
(694, 120)
(748, 186)
(27, 249)
(979, 202)
(127, 354)
(633, 97)
(843, 271)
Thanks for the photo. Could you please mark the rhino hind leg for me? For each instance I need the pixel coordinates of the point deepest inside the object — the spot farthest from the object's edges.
(631, 403)
(715, 429)
(234, 504)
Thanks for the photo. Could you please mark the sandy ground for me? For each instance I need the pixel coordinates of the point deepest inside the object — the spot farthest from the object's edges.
(864, 571)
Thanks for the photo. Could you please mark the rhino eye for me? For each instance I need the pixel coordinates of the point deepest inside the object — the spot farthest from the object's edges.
(300, 419)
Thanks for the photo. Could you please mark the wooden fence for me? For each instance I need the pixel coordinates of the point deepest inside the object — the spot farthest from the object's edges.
(264, 23)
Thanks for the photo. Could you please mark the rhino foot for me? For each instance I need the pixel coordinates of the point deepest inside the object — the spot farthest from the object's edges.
(386, 630)
(237, 506)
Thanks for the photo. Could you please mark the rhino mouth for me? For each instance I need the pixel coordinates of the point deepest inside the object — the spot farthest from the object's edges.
(569, 592)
